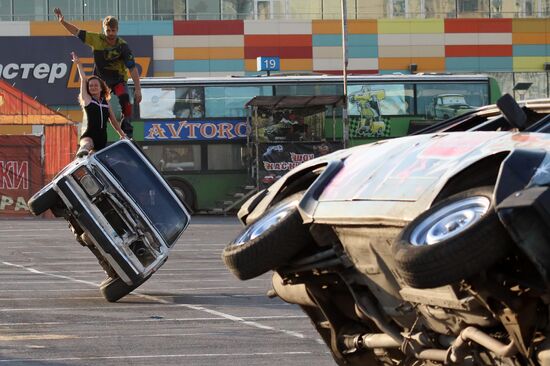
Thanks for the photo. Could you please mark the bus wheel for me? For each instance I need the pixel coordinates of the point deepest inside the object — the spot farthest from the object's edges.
(269, 242)
(184, 193)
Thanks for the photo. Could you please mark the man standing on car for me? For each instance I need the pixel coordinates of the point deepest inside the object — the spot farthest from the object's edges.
(112, 57)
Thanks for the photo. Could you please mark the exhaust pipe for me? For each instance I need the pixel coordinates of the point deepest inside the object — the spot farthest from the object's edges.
(460, 345)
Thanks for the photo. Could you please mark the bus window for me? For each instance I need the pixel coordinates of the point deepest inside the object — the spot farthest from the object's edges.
(181, 102)
(308, 89)
(157, 103)
(189, 102)
(172, 158)
(390, 99)
(227, 101)
(225, 157)
(430, 103)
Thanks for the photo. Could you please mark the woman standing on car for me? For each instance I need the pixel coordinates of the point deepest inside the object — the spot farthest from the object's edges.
(94, 98)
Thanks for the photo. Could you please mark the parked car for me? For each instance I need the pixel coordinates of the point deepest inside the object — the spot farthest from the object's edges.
(445, 106)
(428, 249)
(121, 208)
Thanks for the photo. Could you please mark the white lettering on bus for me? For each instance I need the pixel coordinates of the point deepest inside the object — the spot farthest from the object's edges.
(14, 174)
(40, 71)
(20, 204)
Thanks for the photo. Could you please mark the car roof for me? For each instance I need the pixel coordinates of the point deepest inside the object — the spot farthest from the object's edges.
(491, 118)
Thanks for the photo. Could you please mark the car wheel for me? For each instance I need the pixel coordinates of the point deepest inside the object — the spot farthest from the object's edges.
(184, 193)
(269, 242)
(455, 239)
(114, 288)
(43, 200)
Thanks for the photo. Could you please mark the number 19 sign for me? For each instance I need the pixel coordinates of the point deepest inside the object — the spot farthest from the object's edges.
(268, 63)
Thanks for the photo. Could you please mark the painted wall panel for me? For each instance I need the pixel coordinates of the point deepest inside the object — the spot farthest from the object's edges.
(529, 38)
(294, 27)
(226, 65)
(363, 63)
(394, 51)
(496, 64)
(362, 52)
(368, 40)
(361, 26)
(326, 40)
(327, 64)
(326, 26)
(261, 27)
(528, 25)
(150, 27)
(462, 64)
(163, 53)
(461, 38)
(427, 51)
(326, 52)
(495, 38)
(394, 63)
(206, 27)
(296, 64)
(530, 50)
(529, 63)
(222, 40)
(294, 40)
(164, 41)
(17, 29)
(163, 66)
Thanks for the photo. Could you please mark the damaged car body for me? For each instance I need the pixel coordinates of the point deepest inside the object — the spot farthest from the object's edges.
(120, 208)
(424, 250)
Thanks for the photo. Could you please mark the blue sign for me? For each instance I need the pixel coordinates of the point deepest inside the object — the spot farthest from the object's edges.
(268, 63)
(195, 130)
(41, 66)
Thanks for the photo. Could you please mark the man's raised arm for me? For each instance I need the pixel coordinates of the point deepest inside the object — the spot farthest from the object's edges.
(68, 26)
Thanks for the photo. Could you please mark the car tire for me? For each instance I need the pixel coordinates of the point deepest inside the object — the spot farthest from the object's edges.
(184, 192)
(114, 288)
(43, 200)
(269, 242)
(453, 240)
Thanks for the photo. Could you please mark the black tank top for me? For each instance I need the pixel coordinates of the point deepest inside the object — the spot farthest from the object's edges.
(97, 114)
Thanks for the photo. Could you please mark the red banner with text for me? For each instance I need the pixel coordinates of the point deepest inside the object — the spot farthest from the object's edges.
(20, 173)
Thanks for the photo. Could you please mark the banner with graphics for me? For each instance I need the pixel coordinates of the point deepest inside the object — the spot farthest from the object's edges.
(20, 173)
(42, 68)
(194, 130)
(278, 159)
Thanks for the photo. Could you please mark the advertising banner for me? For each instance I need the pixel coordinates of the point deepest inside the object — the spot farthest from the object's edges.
(278, 159)
(195, 130)
(20, 173)
(42, 67)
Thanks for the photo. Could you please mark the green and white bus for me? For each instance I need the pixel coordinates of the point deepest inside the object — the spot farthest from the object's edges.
(196, 130)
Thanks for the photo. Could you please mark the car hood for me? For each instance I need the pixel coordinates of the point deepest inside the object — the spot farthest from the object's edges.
(399, 178)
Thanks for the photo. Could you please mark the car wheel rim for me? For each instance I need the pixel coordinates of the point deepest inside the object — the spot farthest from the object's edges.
(450, 220)
(267, 221)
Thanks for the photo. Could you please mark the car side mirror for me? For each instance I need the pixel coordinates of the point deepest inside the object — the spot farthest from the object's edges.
(512, 112)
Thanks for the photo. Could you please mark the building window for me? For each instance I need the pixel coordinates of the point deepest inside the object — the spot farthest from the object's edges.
(237, 9)
(135, 9)
(204, 9)
(99, 9)
(29, 10)
(5, 10)
(169, 10)
(299, 9)
(72, 9)
(225, 157)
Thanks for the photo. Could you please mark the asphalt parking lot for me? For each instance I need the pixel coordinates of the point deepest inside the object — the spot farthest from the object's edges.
(191, 312)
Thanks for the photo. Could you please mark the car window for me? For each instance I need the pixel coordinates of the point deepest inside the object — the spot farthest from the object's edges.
(146, 189)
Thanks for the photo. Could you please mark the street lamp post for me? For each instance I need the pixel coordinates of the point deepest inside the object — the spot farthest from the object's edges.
(345, 120)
